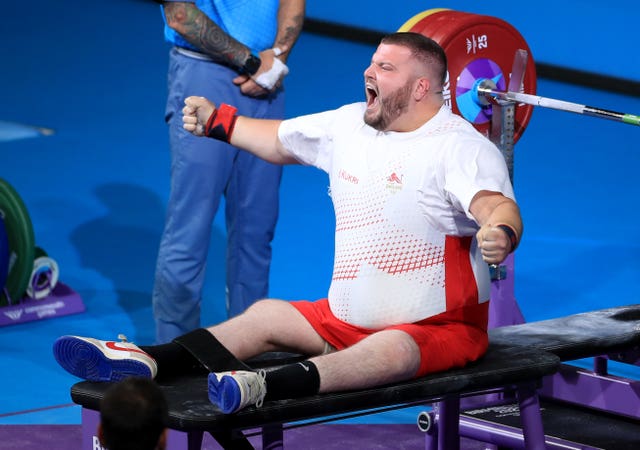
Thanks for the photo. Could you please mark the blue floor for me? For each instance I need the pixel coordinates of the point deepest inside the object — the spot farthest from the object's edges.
(96, 188)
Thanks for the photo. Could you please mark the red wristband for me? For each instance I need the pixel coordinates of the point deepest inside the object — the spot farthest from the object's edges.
(511, 234)
(221, 123)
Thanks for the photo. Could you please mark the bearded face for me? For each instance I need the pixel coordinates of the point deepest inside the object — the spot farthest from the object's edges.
(383, 109)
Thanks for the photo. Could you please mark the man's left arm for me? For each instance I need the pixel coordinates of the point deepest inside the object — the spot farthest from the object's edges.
(500, 225)
(290, 21)
(271, 72)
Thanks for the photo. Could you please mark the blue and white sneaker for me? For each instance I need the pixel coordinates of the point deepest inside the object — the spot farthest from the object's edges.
(232, 391)
(95, 360)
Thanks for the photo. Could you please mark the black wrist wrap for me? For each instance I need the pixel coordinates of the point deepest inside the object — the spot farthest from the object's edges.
(511, 233)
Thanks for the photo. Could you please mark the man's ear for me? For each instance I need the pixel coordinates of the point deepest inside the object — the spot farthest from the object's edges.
(422, 88)
(162, 440)
(100, 434)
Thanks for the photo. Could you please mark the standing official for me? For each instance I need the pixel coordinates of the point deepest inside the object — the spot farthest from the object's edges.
(235, 51)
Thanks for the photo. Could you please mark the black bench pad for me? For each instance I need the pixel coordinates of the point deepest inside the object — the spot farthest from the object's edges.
(190, 409)
(577, 336)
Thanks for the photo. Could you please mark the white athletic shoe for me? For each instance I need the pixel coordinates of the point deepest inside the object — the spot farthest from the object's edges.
(95, 360)
(232, 391)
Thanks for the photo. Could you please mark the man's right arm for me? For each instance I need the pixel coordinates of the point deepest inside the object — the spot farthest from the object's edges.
(256, 136)
(201, 32)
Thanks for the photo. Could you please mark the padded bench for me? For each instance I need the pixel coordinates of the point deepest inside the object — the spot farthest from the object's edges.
(504, 366)
(600, 332)
(604, 335)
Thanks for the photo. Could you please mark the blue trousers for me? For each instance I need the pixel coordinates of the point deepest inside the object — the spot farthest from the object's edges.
(202, 170)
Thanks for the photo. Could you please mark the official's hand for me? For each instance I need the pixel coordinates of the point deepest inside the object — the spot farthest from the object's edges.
(272, 71)
(494, 244)
(249, 87)
(269, 76)
(195, 114)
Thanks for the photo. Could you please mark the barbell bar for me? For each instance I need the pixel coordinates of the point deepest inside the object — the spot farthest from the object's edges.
(487, 88)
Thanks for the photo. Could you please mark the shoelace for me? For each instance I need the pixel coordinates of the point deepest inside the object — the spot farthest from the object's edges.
(262, 374)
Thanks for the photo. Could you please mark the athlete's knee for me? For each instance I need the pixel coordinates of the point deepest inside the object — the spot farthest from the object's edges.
(402, 352)
(264, 308)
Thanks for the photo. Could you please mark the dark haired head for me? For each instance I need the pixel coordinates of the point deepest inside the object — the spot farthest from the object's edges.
(133, 415)
(425, 49)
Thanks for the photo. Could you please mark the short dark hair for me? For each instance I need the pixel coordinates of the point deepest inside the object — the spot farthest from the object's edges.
(422, 47)
(133, 414)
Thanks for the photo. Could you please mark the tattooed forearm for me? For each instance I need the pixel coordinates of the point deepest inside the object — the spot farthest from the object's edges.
(290, 34)
(290, 21)
(197, 29)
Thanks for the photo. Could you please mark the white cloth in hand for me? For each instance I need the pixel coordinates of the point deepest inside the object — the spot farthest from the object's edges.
(269, 78)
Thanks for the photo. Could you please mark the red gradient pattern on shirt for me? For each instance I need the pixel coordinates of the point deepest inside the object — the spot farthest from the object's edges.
(387, 246)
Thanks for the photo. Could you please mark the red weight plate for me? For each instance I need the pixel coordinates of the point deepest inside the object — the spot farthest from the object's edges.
(411, 24)
(472, 42)
(437, 25)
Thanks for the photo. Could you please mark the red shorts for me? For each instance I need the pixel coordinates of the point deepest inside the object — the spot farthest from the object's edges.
(448, 340)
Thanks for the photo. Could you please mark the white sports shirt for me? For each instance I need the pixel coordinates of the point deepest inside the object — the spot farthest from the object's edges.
(405, 245)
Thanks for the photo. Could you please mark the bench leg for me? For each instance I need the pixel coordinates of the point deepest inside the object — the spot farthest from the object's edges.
(532, 429)
(448, 423)
(427, 424)
(272, 437)
(194, 440)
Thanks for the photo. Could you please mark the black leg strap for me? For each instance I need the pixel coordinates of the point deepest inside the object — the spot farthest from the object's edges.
(209, 351)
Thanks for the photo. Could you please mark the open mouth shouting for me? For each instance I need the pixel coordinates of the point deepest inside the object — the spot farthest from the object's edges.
(371, 93)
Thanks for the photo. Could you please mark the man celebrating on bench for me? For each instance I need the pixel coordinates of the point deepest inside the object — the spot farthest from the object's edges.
(423, 203)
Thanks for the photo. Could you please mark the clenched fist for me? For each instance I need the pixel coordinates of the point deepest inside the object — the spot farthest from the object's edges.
(195, 114)
(494, 243)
